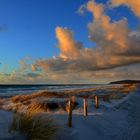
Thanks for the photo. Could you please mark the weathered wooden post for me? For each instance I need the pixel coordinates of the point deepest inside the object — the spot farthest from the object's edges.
(97, 101)
(85, 107)
(70, 113)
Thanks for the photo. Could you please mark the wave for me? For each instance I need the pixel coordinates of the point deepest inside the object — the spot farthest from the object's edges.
(12, 90)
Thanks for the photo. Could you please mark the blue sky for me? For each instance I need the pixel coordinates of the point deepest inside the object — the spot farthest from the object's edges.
(30, 27)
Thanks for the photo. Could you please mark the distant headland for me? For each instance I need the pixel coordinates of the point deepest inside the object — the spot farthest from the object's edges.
(125, 82)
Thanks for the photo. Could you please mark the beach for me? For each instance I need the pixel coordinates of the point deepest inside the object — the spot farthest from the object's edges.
(116, 118)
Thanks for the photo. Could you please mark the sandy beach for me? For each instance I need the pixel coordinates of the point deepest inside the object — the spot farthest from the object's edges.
(69, 69)
(116, 118)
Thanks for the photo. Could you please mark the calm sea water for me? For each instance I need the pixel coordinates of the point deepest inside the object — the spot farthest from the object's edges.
(11, 90)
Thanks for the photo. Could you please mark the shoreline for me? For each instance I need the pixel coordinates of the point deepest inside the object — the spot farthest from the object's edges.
(55, 100)
(109, 121)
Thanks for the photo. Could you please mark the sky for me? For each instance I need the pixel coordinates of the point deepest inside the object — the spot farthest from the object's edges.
(69, 41)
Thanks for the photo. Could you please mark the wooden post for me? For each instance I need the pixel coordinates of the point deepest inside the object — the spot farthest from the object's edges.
(97, 101)
(70, 113)
(85, 107)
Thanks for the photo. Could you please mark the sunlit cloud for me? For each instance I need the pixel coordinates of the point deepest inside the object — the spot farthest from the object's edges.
(116, 55)
(116, 46)
(134, 5)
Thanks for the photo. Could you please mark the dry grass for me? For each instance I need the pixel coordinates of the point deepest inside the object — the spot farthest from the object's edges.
(50, 105)
(25, 98)
(40, 101)
(127, 88)
(1, 103)
(35, 107)
(82, 93)
(54, 94)
(34, 127)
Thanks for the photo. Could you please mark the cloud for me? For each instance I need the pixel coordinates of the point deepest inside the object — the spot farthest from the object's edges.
(134, 5)
(68, 46)
(81, 9)
(116, 46)
(116, 55)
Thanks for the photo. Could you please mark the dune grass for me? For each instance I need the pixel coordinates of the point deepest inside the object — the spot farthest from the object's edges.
(34, 127)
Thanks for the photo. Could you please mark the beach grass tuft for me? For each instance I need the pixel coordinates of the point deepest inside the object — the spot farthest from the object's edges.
(34, 127)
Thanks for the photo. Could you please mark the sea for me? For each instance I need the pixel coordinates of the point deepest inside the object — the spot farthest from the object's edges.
(12, 90)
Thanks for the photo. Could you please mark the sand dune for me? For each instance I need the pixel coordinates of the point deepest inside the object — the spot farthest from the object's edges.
(116, 119)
